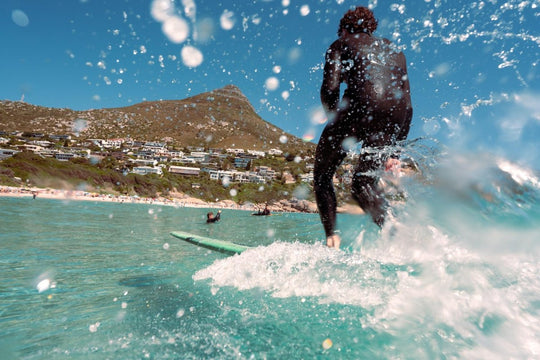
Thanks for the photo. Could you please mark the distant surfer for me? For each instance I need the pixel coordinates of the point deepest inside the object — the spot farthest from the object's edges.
(375, 110)
(211, 218)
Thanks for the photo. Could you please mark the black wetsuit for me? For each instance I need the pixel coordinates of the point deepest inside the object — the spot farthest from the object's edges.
(376, 110)
(210, 219)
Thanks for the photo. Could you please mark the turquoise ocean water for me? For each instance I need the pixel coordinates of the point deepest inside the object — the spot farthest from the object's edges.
(454, 275)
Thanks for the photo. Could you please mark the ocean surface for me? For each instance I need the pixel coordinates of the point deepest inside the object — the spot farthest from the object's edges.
(454, 274)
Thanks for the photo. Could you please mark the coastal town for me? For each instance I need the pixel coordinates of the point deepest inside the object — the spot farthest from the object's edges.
(224, 166)
(231, 165)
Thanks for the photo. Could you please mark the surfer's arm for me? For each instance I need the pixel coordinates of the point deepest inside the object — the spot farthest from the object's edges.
(331, 79)
(406, 91)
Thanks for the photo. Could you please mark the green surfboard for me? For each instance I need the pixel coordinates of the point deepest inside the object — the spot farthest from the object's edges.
(223, 246)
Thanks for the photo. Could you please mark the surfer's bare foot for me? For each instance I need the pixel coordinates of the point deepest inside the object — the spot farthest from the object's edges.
(333, 241)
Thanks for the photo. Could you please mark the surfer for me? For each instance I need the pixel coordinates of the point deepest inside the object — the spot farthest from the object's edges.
(266, 210)
(210, 218)
(375, 110)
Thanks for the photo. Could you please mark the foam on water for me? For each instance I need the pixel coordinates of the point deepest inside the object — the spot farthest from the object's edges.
(457, 265)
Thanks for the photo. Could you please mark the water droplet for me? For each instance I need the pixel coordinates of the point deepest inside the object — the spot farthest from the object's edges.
(327, 344)
(227, 20)
(43, 285)
(94, 327)
(176, 29)
(20, 18)
(304, 10)
(318, 116)
(191, 56)
(271, 84)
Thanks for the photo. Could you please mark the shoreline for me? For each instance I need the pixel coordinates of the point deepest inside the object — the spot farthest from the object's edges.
(180, 200)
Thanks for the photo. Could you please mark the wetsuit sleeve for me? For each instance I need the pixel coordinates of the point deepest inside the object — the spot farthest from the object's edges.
(218, 216)
(407, 91)
(331, 79)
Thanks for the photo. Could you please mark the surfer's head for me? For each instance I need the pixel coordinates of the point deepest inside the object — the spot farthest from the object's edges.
(209, 215)
(359, 20)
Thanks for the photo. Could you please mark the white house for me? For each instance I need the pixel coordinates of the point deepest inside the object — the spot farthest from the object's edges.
(257, 153)
(144, 170)
(275, 152)
(235, 151)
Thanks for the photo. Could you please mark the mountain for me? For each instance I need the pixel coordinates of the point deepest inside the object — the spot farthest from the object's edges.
(222, 118)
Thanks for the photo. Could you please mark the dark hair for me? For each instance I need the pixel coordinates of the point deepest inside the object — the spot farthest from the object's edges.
(358, 20)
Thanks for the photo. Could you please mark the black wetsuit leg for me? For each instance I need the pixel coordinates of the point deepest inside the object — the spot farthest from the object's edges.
(328, 156)
(365, 189)
(388, 128)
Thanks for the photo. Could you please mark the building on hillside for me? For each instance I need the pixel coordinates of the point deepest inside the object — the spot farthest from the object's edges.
(96, 142)
(145, 154)
(199, 156)
(145, 170)
(182, 160)
(184, 170)
(266, 172)
(64, 156)
(42, 143)
(241, 162)
(307, 177)
(176, 153)
(31, 134)
(60, 137)
(257, 153)
(112, 143)
(221, 175)
(154, 146)
(6, 153)
(144, 162)
(235, 151)
(229, 176)
(48, 152)
(30, 147)
(287, 178)
(256, 178)
(275, 152)
(195, 148)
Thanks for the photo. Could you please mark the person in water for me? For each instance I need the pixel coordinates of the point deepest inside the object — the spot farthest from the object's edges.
(210, 218)
(375, 110)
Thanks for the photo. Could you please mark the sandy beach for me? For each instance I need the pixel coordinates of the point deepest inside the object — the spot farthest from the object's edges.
(79, 195)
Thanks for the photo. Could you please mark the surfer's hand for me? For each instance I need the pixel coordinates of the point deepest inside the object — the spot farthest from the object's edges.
(392, 165)
(333, 241)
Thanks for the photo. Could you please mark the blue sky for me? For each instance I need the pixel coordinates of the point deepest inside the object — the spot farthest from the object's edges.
(473, 65)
